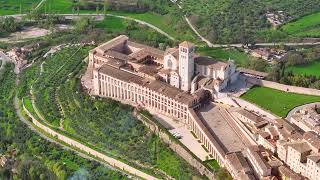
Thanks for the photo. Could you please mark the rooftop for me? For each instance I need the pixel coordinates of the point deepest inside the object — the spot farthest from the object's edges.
(252, 72)
(315, 158)
(312, 139)
(239, 162)
(110, 44)
(255, 152)
(154, 85)
(211, 63)
(256, 119)
(122, 75)
(289, 173)
(186, 44)
(301, 147)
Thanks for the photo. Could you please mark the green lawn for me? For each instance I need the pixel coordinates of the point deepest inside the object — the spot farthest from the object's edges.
(224, 54)
(28, 104)
(304, 26)
(13, 6)
(312, 68)
(112, 24)
(275, 101)
(213, 164)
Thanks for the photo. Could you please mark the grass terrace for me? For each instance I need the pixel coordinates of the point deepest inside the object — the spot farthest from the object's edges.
(275, 101)
(224, 54)
(307, 26)
(213, 164)
(112, 24)
(312, 68)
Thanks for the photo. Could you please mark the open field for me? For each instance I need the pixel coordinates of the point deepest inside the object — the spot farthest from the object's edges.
(224, 54)
(13, 6)
(312, 68)
(304, 26)
(275, 101)
(112, 24)
(164, 22)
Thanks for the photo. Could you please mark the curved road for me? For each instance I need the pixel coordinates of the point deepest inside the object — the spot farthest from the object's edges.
(100, 17)
(210, 44)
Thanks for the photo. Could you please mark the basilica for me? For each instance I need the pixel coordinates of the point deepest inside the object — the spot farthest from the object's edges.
(167, 82)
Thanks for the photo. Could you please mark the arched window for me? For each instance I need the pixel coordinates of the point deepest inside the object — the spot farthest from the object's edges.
(169, 63)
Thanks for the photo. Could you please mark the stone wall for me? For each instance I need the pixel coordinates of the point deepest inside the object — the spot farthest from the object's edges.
(283, 87)
(113, 162)
(176, 147)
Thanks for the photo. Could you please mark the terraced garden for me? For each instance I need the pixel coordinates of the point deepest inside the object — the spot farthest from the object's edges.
(275, 101)
(36, 157)
(105, 124)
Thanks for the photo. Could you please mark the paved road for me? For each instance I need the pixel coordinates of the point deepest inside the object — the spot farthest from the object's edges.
(300, 107)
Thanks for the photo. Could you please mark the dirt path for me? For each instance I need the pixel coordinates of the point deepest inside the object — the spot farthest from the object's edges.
(27, 33)
(197, 33)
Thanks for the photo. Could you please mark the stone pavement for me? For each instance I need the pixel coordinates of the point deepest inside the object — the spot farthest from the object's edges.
(221, 128)
(187, 138)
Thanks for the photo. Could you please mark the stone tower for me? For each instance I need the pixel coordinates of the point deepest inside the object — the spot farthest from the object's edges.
(186, 65)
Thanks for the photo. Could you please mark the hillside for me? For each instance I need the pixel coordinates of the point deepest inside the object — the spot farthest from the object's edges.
(241, 21)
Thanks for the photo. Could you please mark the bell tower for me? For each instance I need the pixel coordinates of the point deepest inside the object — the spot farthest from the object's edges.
(186, 65)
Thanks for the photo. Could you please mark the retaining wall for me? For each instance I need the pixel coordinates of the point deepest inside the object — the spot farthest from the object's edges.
(283, 87)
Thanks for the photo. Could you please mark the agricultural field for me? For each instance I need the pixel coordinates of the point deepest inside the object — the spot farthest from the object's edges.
(275, 101)
(224, 54)
(312, 68)
(307, 26)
